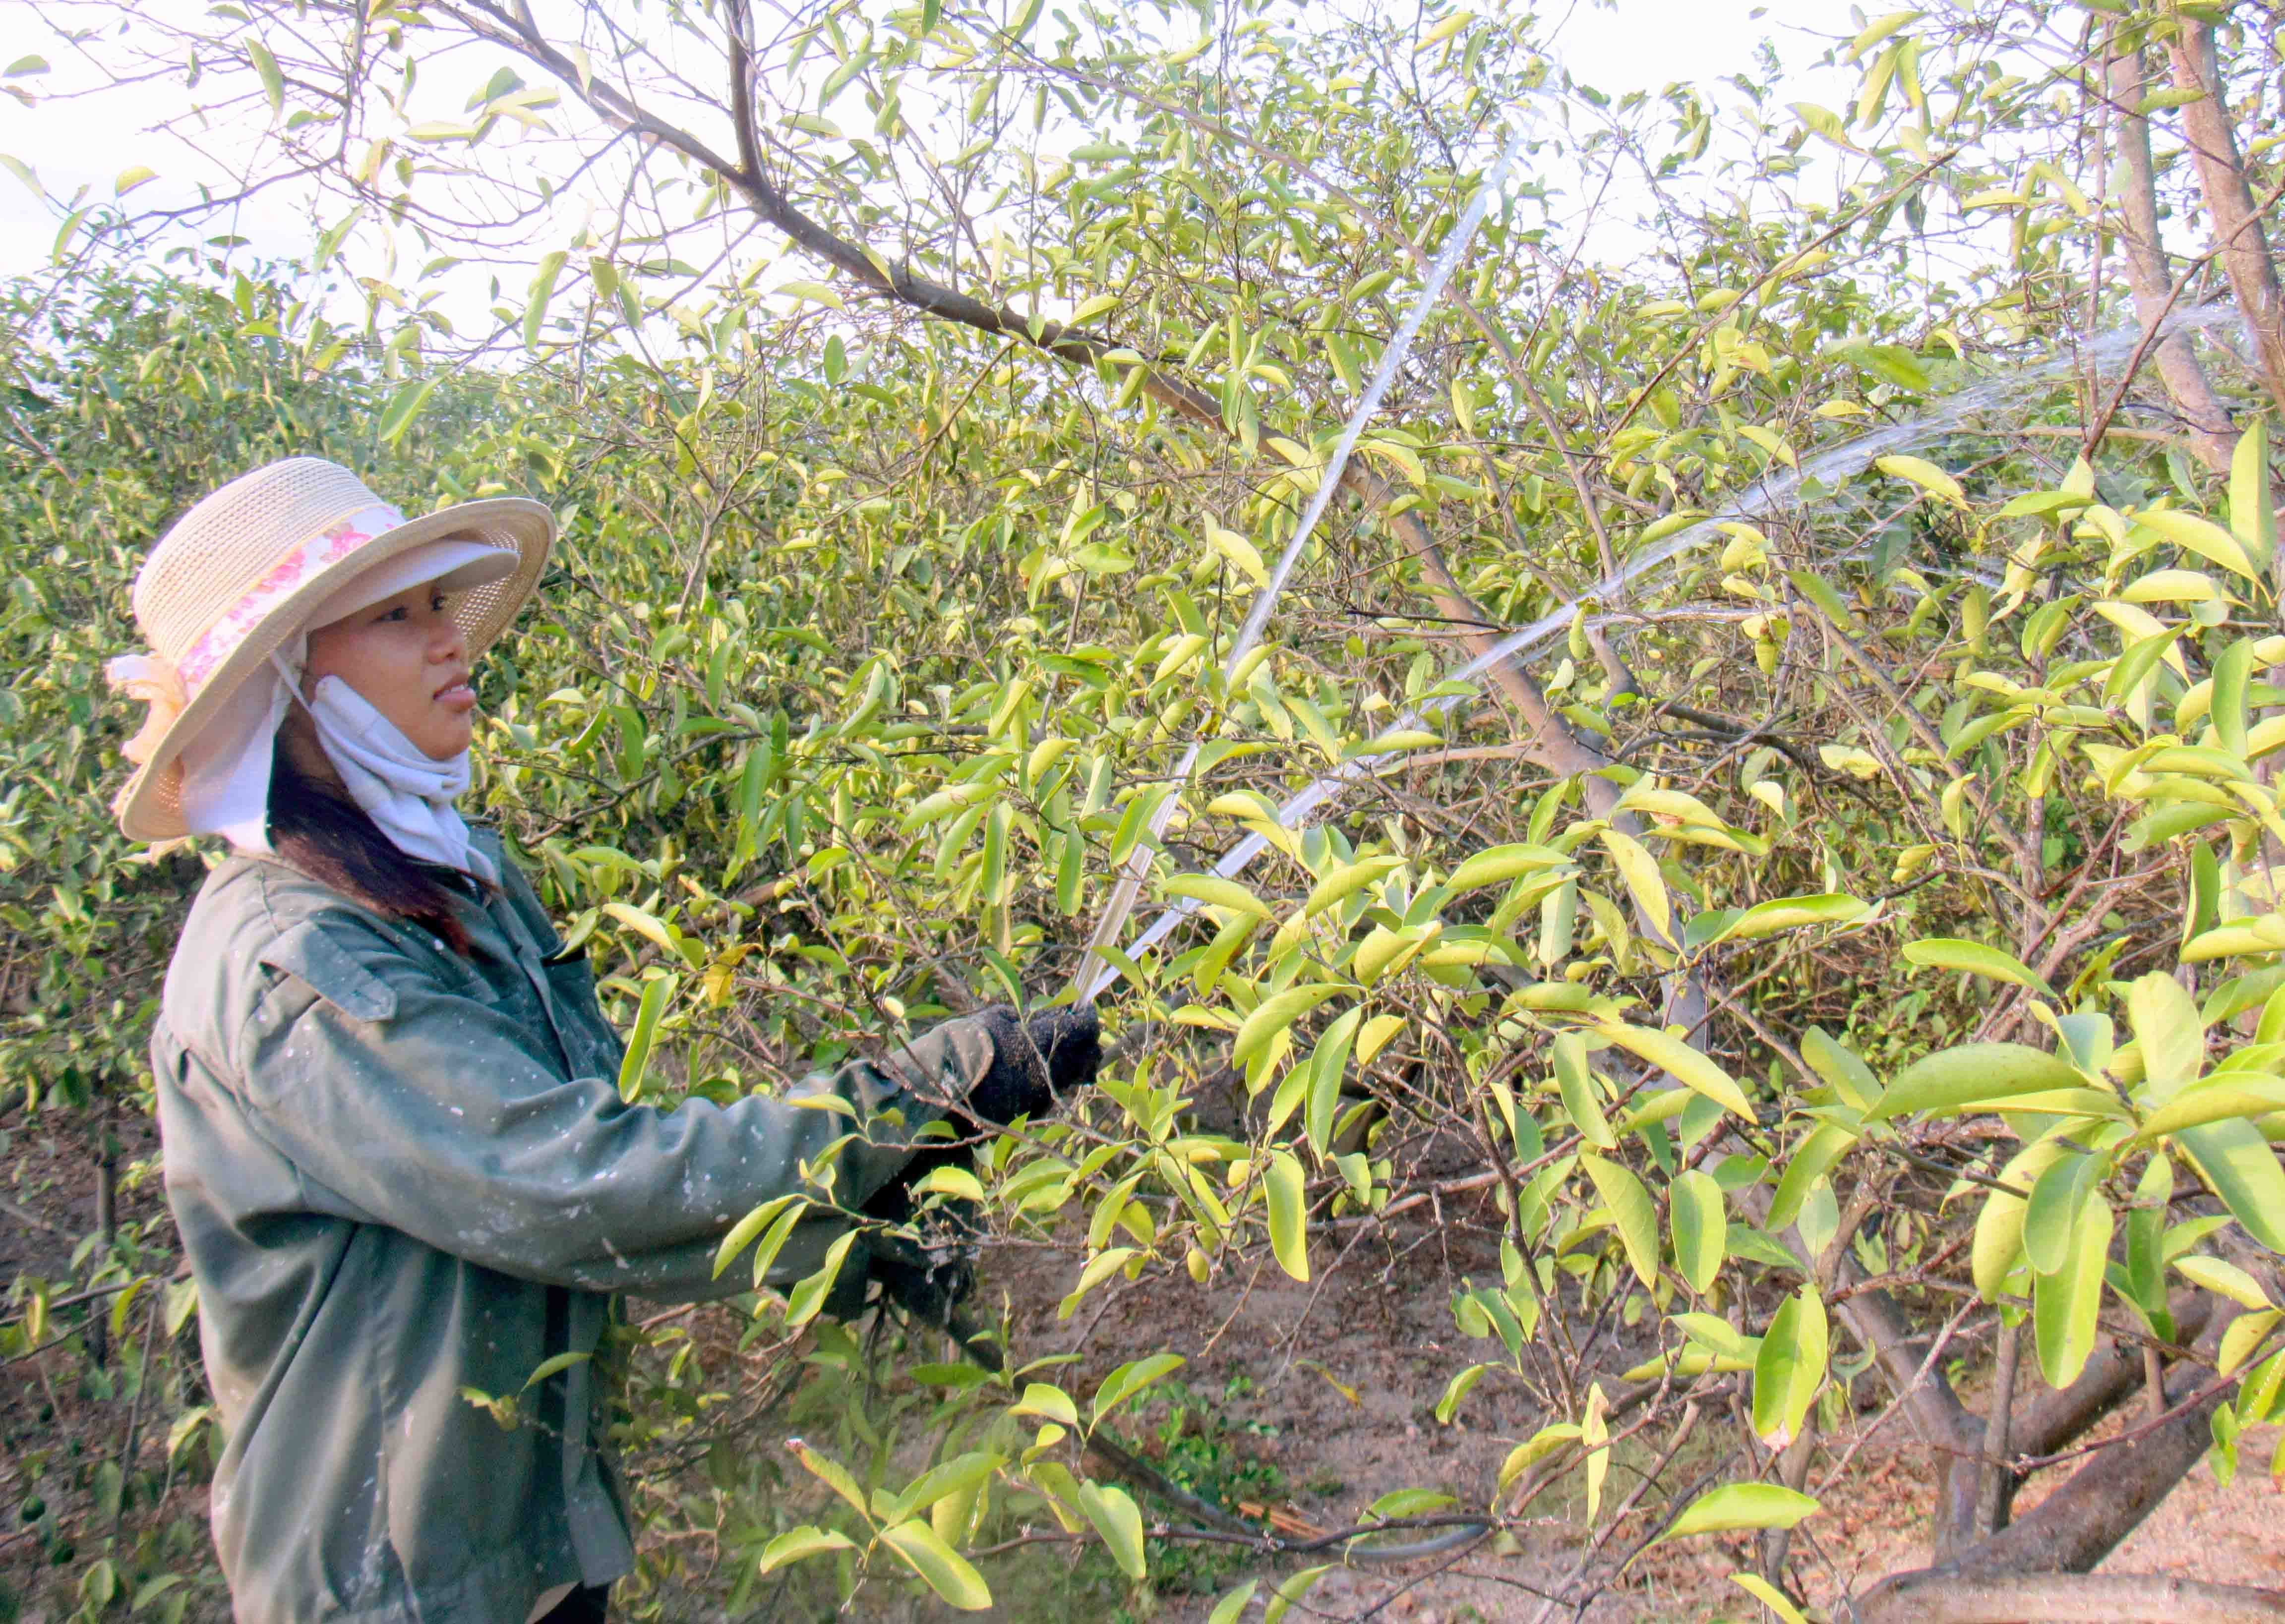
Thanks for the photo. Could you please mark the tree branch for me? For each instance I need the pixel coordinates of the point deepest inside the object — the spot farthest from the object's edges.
(2060, 1598)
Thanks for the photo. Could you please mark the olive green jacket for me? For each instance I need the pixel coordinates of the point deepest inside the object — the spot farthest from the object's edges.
(399, 1172)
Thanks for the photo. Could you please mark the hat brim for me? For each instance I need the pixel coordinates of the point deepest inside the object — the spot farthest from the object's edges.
(149, 808)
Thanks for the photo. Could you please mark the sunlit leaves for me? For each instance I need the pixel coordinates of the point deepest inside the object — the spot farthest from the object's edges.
(1742, 1505)
(1288, 1239)
(1116, 1517)
(1789, 1367)
(1632, 1214)
(1699, 1228)
(1976, 959)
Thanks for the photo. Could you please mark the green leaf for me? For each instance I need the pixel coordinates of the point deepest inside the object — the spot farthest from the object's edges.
(1639, 869)
(1812, 1160)
(1292, 1589)
(1700, 1229)
(1099, 1268)
(1218, 892)
(2203, 538)
(1115, 1516)
(1045, 1399)
(2225, 1279)
(795, 1543)
(2134, 664)
(2240, 1167)
(1792, 912)
(1274, 1014)
(2168, 1030)
(1742, 1505)
(1129, 1379)
(2215, 1098)
(1688, 1067)
(743, 1233)
(2252, 517)
(1761, 1590)
(1500, 863)
(2065, 1305)
(1456, 1391)
(2051, 1217)
(1956, 1079)
(941, 1568)
(1232, 1607)
(1327, 1064)
(403, 407)
(1950, 953)
(2232, 675)
(809, 1294)
(1851, 1079)
(1790, 1367)
(1345, 881)
(636, 1062)
(550, 1366)
(1999, 1226)
(22, 171)
(2246, 1333)
(957, 1182)
(1819, 591)
(1283, 1184)
(273, 83)
(1577, 1086)
(1924, 473)
(1718, 1336)
(816, 293)
(543, 289)
(832, 1473)
(952, 1476)
(1634, 1213)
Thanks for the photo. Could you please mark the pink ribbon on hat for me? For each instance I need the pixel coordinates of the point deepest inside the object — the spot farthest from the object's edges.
(167, 687)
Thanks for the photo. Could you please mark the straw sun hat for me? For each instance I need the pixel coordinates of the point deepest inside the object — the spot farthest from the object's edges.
(292, 545)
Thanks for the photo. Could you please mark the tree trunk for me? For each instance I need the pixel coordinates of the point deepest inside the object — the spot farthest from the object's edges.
(2074, 1528)
(2229, 200)
(2049, 1422)
(2152, 278)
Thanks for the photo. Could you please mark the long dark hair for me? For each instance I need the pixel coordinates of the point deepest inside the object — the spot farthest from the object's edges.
(326, 835)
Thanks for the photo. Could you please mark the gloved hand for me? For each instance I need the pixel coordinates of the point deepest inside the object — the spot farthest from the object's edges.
(927, 1270)
(925, 1265)
(1036, 1060)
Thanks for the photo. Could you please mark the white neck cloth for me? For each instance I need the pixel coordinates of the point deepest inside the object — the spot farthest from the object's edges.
(407, 794)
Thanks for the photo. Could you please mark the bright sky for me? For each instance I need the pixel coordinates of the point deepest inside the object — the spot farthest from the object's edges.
(1640, 44)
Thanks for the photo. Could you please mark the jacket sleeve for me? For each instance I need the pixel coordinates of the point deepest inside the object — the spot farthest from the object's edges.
(415, 1106)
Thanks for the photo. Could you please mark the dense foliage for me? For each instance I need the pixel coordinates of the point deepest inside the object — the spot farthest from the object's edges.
(1848, 945)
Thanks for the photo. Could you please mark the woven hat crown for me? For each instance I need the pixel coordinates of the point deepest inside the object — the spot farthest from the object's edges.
(221, 547)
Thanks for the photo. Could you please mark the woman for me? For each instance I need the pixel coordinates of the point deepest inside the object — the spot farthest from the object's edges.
(393, 1149)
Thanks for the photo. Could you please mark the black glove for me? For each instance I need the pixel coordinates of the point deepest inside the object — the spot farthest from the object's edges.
(925, 1265)
(1033, 1062)
(927, 1268)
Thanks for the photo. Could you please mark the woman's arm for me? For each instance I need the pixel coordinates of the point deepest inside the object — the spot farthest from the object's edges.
(420, 1109)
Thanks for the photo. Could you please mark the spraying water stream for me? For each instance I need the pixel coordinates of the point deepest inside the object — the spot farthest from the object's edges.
(1838, 461)
(1085, 981)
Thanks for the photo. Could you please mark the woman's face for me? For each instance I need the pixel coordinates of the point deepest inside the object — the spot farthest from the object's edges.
(406, 658)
